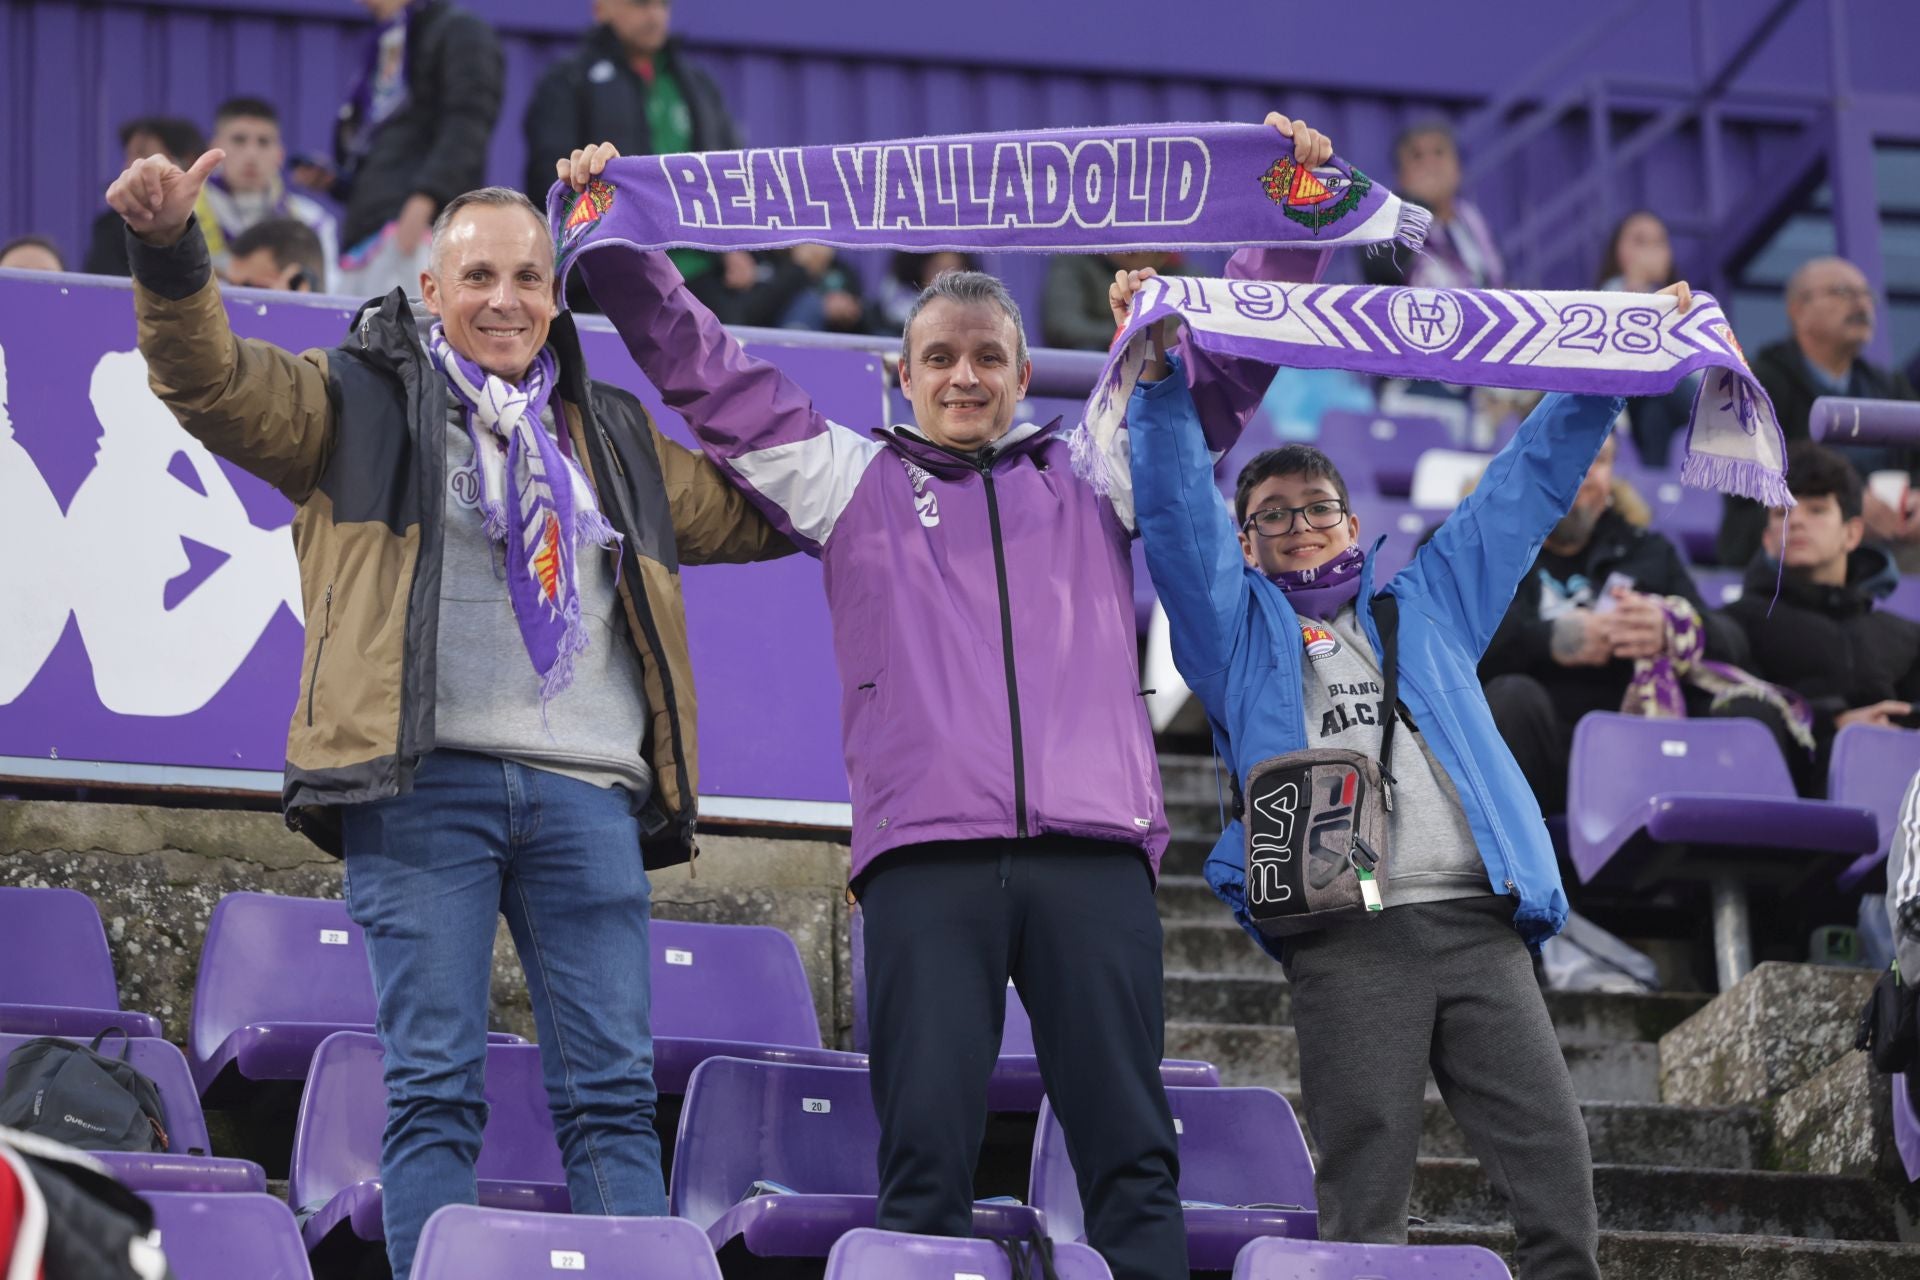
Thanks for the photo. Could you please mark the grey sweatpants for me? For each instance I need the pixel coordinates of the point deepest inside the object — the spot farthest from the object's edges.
(1447, 986)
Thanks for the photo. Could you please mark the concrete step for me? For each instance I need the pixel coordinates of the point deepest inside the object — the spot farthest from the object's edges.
(1189, 898)
(1814, 1206)
(1191, 782)
(1215, 946)
(1263, 996)
(1651, 1255)
(1187, 852)
(1635, 1133)
(1269, 1056)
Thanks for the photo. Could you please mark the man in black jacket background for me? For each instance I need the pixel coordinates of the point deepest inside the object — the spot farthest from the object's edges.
(411, 137)
(1824, 639)
(1595, 602)
(628, 84)
(1830, 306)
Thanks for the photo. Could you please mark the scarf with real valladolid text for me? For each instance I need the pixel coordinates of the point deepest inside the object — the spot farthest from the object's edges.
(1195, 186)
(534, 500)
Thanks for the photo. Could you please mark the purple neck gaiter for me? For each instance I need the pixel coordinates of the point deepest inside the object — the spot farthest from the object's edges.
(1322, 591)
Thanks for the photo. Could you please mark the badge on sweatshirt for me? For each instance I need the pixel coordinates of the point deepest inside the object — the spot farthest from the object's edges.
(1319, 640)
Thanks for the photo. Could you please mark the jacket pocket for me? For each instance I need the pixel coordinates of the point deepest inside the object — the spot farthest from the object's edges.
(319, 648)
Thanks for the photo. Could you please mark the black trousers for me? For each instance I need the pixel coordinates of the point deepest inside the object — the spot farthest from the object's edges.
(1073, 924)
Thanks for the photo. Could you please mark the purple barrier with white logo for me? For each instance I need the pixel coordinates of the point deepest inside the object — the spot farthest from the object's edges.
(151, 630)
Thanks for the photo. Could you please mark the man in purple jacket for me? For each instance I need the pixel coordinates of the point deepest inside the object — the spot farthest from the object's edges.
(1007, 817)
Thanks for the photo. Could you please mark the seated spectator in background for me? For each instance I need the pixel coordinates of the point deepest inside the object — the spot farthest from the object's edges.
(181, 142)
(1459, 252)
(626, 84)
(1640, 260)
(1823, 638)
(248, 189)
(31, 253)
(280, 253)
(1074, 312)
(1830, 310)
(411, 137)
(1596, 602)
(909, 273)
(832, 300)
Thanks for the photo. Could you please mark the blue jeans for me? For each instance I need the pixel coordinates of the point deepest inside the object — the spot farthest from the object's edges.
(428, 875)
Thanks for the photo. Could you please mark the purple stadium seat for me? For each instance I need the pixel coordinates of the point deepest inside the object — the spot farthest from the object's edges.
(809, 1129)
(186, 1164)
(1689, 517)
(1244, 1173)
(1872, 767)
(334, 1182)
(1661, 800)
(1906, 1126)
(1015, 1085)
(1399, 522)
(277, 976)
(867, 1254)
(1270, 1258)
(731, 990)
(1376, 452)
(1719, 587)
(56, 974)
(218, 1237)
(462, 1242)
(1905, 599)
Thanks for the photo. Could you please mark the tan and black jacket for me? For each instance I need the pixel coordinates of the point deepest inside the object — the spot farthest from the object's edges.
(353, 437)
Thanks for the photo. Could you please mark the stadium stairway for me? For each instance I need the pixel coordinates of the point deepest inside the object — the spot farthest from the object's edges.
(1734, 1138)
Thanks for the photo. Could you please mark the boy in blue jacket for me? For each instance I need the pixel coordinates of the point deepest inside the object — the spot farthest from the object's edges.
(1272, 619)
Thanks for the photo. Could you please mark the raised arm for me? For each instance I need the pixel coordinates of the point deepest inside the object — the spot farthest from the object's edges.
(252, 403)
(756, 423)
(1192, 550)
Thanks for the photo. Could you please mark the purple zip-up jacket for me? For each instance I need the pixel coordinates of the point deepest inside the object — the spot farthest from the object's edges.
(982, 605)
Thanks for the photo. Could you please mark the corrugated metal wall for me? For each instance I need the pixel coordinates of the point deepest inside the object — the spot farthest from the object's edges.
(73, 71)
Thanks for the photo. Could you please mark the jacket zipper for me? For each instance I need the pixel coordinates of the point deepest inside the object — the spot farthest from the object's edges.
(1006, 648)
(326, 629)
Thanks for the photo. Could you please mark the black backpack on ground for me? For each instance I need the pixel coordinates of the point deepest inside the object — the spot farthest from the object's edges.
(74, 1094)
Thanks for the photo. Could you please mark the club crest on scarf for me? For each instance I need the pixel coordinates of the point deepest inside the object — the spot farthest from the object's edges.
(588, 207)
(1314, 198)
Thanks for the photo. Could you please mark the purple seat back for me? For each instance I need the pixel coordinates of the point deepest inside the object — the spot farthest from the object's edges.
(162, 1063)
(463, 1242)
(1620, 762)
(731, 982)
(1237, 1147)
(54, 951)
(1905, 600)
(269, 958)
(214, 1237)
(1689, 517)
(1378, 451)
(1277, 1258)
(336, 1141)
(811, 1129)
(1873, 767)
(1402, 525)
(864, 1253)
(1719, 587)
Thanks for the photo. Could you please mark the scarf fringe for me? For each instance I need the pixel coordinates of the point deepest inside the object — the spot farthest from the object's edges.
(1413, 226)
(1745, 477)
(1089, 463)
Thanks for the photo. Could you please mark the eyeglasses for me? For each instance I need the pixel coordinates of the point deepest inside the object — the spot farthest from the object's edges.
(1845, 292)
(1275, 522)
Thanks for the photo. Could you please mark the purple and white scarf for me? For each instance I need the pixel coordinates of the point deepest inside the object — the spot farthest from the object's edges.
(1130, 188)
(1620, 344)
(534, 500)
(1657, 689)
(1322, 591)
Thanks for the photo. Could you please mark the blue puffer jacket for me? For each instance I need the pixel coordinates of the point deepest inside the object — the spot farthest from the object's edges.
(1237, 641)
